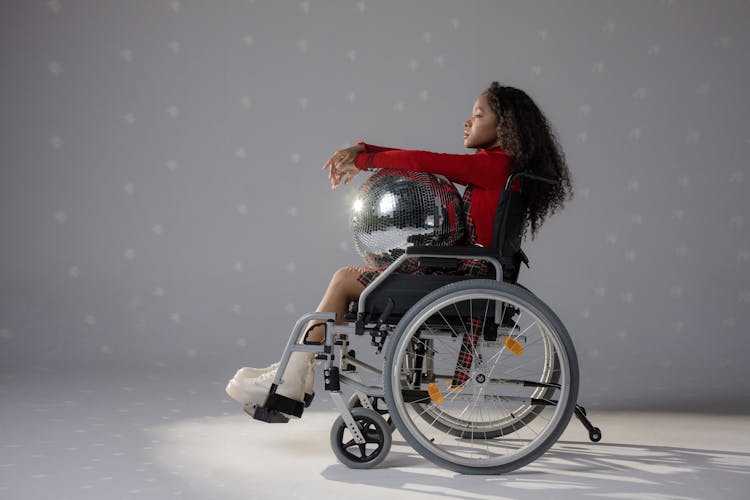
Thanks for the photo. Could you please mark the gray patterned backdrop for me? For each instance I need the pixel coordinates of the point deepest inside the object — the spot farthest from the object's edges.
(163, 209)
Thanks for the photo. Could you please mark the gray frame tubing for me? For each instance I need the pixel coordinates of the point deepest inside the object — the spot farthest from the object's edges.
(331, 331)
(331, 328)
(297, 333)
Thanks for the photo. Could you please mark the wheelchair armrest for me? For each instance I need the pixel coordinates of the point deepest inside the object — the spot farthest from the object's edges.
(469, 251)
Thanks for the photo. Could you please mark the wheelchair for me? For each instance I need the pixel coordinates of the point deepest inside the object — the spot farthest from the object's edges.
(478, 375)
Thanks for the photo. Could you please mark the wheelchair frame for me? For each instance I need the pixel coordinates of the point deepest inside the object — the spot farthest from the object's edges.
(366, 424)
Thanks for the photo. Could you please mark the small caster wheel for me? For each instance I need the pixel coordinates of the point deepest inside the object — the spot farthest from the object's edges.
(354, 402)
(595, 435)
(365, 455)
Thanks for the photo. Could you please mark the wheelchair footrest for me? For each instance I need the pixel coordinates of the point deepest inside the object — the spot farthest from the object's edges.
(264, 414)
(285, 405)
(309, 399)
(277, 408)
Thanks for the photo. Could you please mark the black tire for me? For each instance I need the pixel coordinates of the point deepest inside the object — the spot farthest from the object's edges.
(595, 435)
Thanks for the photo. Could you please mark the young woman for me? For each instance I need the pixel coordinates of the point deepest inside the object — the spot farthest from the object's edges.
(509, 133)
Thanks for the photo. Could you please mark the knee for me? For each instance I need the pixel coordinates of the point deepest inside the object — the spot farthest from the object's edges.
(346, 275)
(346, 280)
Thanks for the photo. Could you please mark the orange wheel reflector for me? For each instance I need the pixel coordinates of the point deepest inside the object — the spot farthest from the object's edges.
(434, 391)
(513, 346)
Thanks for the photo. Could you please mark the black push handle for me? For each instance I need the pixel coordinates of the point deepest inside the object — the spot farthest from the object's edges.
(543, 178)
(498, 234)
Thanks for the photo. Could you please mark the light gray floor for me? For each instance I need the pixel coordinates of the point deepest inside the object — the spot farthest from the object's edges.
(176, 435)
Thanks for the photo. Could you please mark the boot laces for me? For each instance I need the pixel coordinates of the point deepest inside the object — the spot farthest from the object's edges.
(272, 367)
(265, 377)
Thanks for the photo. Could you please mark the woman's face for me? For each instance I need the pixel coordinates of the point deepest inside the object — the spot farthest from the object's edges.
(481, 131)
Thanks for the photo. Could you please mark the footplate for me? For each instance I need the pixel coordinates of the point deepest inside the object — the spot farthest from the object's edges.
(276, 409)
(264, 414)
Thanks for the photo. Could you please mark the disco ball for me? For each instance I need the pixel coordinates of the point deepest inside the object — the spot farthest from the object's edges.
(395, 209)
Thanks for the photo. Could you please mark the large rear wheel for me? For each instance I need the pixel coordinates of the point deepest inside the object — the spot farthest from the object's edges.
(474, 396)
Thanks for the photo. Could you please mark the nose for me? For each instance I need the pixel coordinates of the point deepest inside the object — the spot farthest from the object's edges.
(467, 123)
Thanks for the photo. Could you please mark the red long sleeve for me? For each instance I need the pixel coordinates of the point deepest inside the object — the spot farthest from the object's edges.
(488, 168)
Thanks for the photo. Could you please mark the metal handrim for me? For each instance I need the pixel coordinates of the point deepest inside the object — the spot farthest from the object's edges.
(414, 326)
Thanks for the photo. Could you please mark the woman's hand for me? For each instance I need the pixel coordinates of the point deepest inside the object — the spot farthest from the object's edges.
(341, 165)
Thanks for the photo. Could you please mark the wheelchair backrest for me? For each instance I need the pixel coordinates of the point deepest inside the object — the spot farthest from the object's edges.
(510, 222)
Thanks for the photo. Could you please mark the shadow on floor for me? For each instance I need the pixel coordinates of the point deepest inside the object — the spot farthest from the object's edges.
(255, 459)
(608, 470)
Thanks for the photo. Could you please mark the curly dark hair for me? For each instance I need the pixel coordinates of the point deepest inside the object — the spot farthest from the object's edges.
(526, 135)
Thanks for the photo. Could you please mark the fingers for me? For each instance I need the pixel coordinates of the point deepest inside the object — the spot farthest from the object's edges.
(335, 181)
(342, 165)
(335, 164)
(331, 163)
(342, 171)
(350, 176)
(347, 172)
(334, 176)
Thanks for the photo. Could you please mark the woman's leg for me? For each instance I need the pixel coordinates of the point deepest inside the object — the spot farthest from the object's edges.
(251, 388)
(343, 288)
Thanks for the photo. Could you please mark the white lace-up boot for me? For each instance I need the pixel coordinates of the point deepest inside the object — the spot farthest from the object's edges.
(298, 378)
(250, 372)
(247, 374)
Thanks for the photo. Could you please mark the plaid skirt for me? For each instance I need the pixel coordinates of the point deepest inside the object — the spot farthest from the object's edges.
(466, 267)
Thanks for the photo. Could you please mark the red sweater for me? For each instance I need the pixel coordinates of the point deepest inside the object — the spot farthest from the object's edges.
(484, 174)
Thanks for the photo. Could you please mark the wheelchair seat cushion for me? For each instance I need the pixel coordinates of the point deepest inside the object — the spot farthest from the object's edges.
(462, 267)
(404, 290)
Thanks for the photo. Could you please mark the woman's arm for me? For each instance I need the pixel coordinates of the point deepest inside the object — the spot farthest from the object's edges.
(484, 169)
(341, 163)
